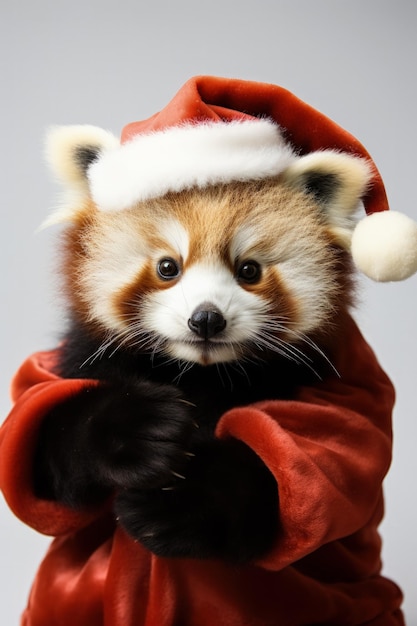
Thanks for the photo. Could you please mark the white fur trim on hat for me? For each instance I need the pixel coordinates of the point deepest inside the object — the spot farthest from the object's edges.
(181, 157)
(384, 246)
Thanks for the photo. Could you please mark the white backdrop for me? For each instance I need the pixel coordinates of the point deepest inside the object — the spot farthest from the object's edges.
(109, 63)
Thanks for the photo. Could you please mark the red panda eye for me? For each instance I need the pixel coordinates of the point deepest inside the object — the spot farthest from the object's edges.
(168, 268)
(249, 272)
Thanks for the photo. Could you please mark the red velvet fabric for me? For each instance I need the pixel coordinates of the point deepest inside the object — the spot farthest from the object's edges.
(213, 98)
(329, 449)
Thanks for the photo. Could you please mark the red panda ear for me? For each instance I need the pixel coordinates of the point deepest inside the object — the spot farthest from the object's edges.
(70, 150)
(338, 182)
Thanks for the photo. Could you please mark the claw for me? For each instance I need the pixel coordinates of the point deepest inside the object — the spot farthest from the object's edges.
(190, 454)
(177, 475)
(188, 402)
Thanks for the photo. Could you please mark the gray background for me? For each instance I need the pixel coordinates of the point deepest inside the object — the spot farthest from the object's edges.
(109, 63)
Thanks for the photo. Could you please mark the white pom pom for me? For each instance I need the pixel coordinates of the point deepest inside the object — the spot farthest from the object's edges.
(384, 246)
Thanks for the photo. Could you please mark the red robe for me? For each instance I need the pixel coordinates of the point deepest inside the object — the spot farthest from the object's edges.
(329, 449)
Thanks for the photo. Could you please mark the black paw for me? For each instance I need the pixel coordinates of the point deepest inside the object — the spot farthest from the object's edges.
(140, 434)
(226, 507)
(164, 521)
(107, 438)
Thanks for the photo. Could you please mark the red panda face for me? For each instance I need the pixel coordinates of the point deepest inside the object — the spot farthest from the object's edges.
(210, 275)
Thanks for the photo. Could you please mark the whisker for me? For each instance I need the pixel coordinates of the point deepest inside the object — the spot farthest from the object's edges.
(316, 348)
(270, 325)
(99, 353)
(185, 367)
(223, 366)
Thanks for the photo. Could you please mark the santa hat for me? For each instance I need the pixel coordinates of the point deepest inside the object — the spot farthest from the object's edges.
(218, 130)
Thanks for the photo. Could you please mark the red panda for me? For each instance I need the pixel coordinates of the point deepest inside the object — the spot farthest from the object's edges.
(208, 441)
(183, 306)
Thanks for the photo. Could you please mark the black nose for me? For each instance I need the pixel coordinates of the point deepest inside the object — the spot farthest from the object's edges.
(206, 321)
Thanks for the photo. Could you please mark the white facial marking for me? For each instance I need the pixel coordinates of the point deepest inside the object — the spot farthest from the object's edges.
(116, 260)
(176, 236)
(311, 287)
(167, 313)
(245, 240)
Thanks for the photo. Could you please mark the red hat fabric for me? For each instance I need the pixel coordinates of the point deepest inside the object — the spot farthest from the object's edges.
(208, 98)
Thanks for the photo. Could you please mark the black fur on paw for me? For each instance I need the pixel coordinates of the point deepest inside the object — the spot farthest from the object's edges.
(140, 435)
(110, 437)
(226, 507)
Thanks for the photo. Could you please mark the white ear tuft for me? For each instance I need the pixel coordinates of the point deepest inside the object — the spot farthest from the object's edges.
(71, 149)
(384, 246)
